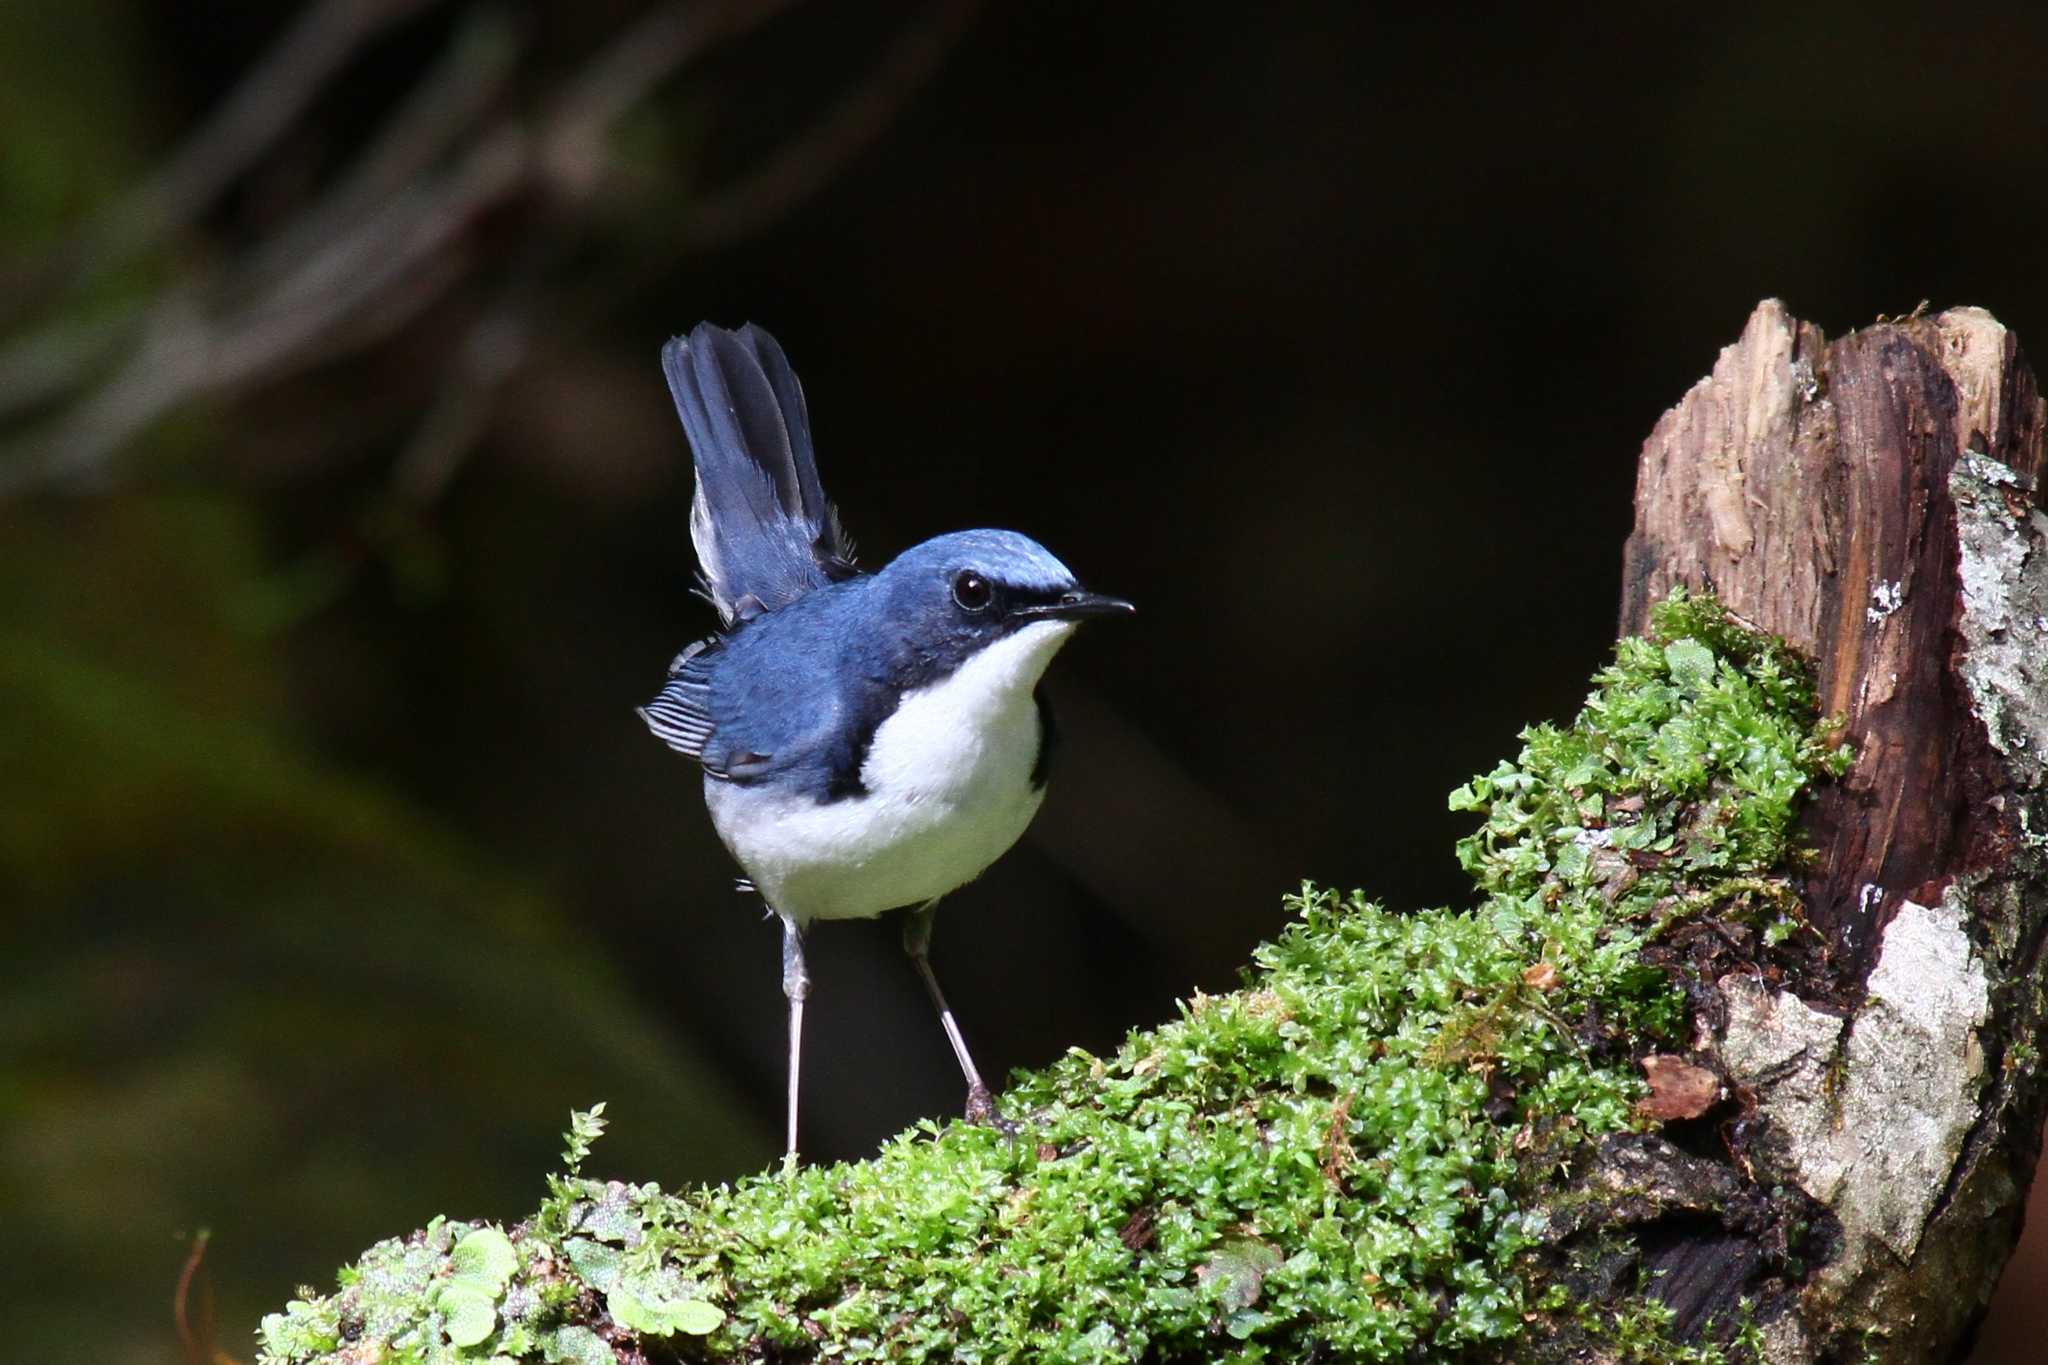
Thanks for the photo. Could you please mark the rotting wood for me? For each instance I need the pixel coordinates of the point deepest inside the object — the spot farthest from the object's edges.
(1875, 501)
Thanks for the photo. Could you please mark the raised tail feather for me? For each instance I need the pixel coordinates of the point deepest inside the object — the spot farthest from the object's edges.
(765, 535)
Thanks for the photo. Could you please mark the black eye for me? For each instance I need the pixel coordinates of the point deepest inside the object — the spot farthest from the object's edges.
(972, 591)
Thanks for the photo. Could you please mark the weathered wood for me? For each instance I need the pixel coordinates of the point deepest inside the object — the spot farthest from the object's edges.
(1874, 500)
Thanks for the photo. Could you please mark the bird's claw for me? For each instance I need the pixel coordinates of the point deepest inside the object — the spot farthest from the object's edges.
(982, 1112)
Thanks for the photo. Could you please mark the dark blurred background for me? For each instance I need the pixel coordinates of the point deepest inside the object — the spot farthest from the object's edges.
(342, 525)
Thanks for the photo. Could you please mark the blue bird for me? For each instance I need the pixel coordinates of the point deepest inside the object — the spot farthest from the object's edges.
(869, 741)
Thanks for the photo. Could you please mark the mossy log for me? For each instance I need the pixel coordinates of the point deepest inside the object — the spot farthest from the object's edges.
(1732, 1057)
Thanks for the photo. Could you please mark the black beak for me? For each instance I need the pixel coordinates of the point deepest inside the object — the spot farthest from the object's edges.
(1076, 606)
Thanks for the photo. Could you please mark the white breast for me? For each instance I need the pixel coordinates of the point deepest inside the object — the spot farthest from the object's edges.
(948, 781)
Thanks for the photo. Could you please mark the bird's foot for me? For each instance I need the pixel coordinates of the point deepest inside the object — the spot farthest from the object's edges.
(982, 1112)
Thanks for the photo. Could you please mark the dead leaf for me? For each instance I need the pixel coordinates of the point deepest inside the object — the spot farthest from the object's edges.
(1242, 1264)
(1678, 1089)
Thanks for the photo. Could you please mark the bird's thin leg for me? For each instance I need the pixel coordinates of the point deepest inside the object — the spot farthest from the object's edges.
(917, 941)
(796, 986)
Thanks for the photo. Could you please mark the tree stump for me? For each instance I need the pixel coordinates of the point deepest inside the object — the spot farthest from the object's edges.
(1875, 501)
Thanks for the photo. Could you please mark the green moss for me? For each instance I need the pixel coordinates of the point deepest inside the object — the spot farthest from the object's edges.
(1638, 1332)
(1329, 1159)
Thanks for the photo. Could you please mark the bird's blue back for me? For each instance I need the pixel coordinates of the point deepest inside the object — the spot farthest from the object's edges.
(790, 697)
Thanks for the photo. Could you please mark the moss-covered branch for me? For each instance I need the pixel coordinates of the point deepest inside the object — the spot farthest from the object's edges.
(1349, 1157)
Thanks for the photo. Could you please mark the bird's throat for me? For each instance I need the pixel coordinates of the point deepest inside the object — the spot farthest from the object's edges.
(975, 727)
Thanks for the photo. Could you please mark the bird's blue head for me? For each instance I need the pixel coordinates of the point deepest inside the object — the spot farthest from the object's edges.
(956, 595)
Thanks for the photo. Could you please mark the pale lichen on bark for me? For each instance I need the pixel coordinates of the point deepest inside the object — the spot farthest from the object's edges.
(1871, 1113)
(2005, 611)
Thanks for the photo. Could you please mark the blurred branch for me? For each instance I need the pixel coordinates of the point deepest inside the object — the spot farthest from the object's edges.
(628, 71)
(280, 87)
(462, 410)
(41, 367)
(401, 227)
(806, 163)
(447, 103)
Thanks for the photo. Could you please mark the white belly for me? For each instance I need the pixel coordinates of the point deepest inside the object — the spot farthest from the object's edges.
(949, 790)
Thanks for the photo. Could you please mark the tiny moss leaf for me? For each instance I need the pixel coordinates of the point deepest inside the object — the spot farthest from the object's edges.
(698, 1318)
(576, 1346)
(597, 1263)
(1691, 664)
(642, 1306)
(470, 1315)
(484, 1261)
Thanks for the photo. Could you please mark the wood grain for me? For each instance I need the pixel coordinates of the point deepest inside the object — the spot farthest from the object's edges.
(1806, 482)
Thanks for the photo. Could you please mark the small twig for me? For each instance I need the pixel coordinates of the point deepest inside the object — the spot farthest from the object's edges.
(1338, 1154)
(197, 1341)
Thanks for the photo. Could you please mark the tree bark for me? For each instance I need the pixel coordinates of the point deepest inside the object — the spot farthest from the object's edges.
(1875, 501)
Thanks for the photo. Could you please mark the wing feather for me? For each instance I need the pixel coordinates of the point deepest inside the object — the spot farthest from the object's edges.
(680, 714)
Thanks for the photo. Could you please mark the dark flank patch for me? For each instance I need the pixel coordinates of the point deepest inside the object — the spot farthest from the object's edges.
(843, 765)
(1048, 739)
(865, 710)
